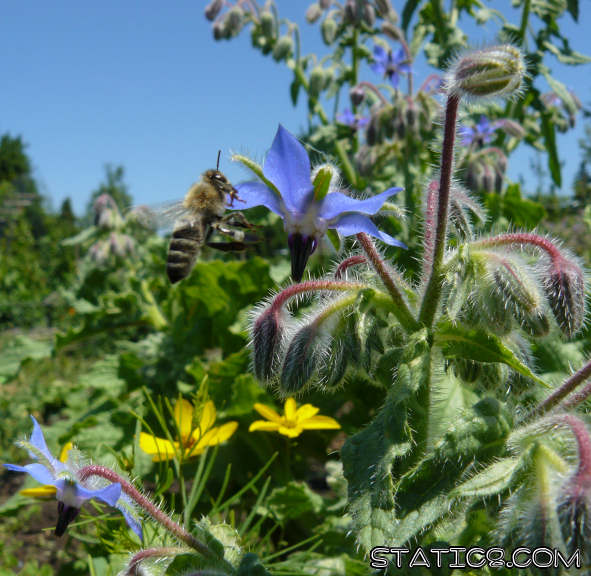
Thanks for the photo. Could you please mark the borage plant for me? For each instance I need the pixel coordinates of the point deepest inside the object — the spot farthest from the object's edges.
(463, 449)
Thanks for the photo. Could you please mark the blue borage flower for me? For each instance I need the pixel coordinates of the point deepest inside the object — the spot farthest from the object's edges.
(70, 492)
(481, 133)
(389, 65)
(349, 119)
(307, 201)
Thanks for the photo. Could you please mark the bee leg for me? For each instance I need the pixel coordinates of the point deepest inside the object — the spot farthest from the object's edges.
(236, 235)
(236, 219)
(234, 196)
(227, 246)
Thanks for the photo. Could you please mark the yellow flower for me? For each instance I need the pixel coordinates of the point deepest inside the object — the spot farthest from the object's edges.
(193, 441)
(294, 421)
(47, 490)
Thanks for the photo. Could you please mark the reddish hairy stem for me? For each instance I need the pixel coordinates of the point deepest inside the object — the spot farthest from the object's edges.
(347, 263)
(523, 238)
(375, 90)
(433, 290)
(150, 553)
(311, 286)
(147, 505)
(401, 309)
(564, 390)
(582, 480)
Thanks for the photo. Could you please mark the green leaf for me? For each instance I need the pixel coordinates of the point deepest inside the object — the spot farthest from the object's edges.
(18, 349)
(479, 345)
(492, 480)
(250, 565)
(522, 212)
(408, 11)
(549, 135)
(322, 183)
(294, 90)
(257, 169)
(334, 238)
(81, 237)
(293, 500)
(573, 8)
(566, 55)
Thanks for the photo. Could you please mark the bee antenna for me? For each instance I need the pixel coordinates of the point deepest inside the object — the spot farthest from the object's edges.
(218, 164)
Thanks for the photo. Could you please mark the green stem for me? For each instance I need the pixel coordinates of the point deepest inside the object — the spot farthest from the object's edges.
(524, 22)
(433, 290)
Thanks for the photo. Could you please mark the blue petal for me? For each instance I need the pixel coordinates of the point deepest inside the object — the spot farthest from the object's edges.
(336, 203)
(380, 54)
(109, 494)
(36, 471)
(132, 522)
(257, 194)
(38, 440)
(350, 224)
(287, 165)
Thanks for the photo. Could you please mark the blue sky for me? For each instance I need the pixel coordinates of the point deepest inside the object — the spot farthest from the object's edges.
(143, 84)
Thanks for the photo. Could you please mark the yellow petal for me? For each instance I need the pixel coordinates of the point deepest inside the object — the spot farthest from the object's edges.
(183, 416)
(159, 448)
(217, 435)
(291, 432)
(64, 453)
(306, 411)
(208, 417)
(264, 426)
(320, 423)
(268, 413)
(41, 492)
(290, 409)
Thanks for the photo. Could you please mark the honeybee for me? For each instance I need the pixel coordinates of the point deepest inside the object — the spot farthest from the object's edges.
(198, 216)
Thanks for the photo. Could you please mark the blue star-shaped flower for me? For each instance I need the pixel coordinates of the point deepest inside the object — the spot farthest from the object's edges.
(70, 493)
(389, 65)
(481, 133)
(349, 119)
(288, 191)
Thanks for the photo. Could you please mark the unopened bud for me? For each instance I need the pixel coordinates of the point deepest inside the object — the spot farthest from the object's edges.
(300, 360)
(329, 30)
(515, 285)
(565, 289)
(325, 4)
(219, 30)
(316, 82)
(383, 7)
(357, 95)
(267, 333)
(494, 71)
(392, 31)
(268, 25)
(233, 22)
(213, 9)
(313, 13)
(283, 48)
(511, 128)
(535, 324)
(350, 12)
(369, 15)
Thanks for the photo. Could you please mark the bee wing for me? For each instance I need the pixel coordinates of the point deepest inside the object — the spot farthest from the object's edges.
(159, 216)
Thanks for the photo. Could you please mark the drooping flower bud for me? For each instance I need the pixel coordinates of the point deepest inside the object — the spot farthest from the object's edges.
(565, 288)
(283, 48)
(325, 4)
(384, 8)
(313, 13)
(329, 30)
(213, 9)
(494, 71)
(357, 95)
(268, 24)
(301, 359)
(233, 22)
(316, 81)
(369, 15)
(267, 334)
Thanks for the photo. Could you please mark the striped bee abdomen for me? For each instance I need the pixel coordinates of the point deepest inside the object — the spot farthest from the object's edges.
(187, 238)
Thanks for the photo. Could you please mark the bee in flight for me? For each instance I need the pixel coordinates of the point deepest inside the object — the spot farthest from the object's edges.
(198, 216)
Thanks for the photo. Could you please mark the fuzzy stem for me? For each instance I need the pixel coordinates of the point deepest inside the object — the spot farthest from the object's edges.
(347, 263)
(401, 310)
(428, 80)
(313, 286)
(148, 506)
(150, 553)
(524, 21)
(577, 398)
(523, 238)
(582, 479)
(375, 90)
(433, 290)
(565, 389)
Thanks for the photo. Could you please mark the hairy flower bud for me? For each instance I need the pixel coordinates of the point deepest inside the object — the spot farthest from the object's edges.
(383, 7)
(329, 30)
(267, 333)
(233, 22)
(301, 359)
(325, 4)
(313, 13)
(369, 15)
(213, 9)
(511, 128)
(219, 30)
(316, 81)
(268, 25)
(494, 71)
(392, 31)
(357, 95)
(565, 288)
(283, 48)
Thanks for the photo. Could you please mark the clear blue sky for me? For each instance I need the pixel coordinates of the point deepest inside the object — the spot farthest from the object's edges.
(143, 84)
